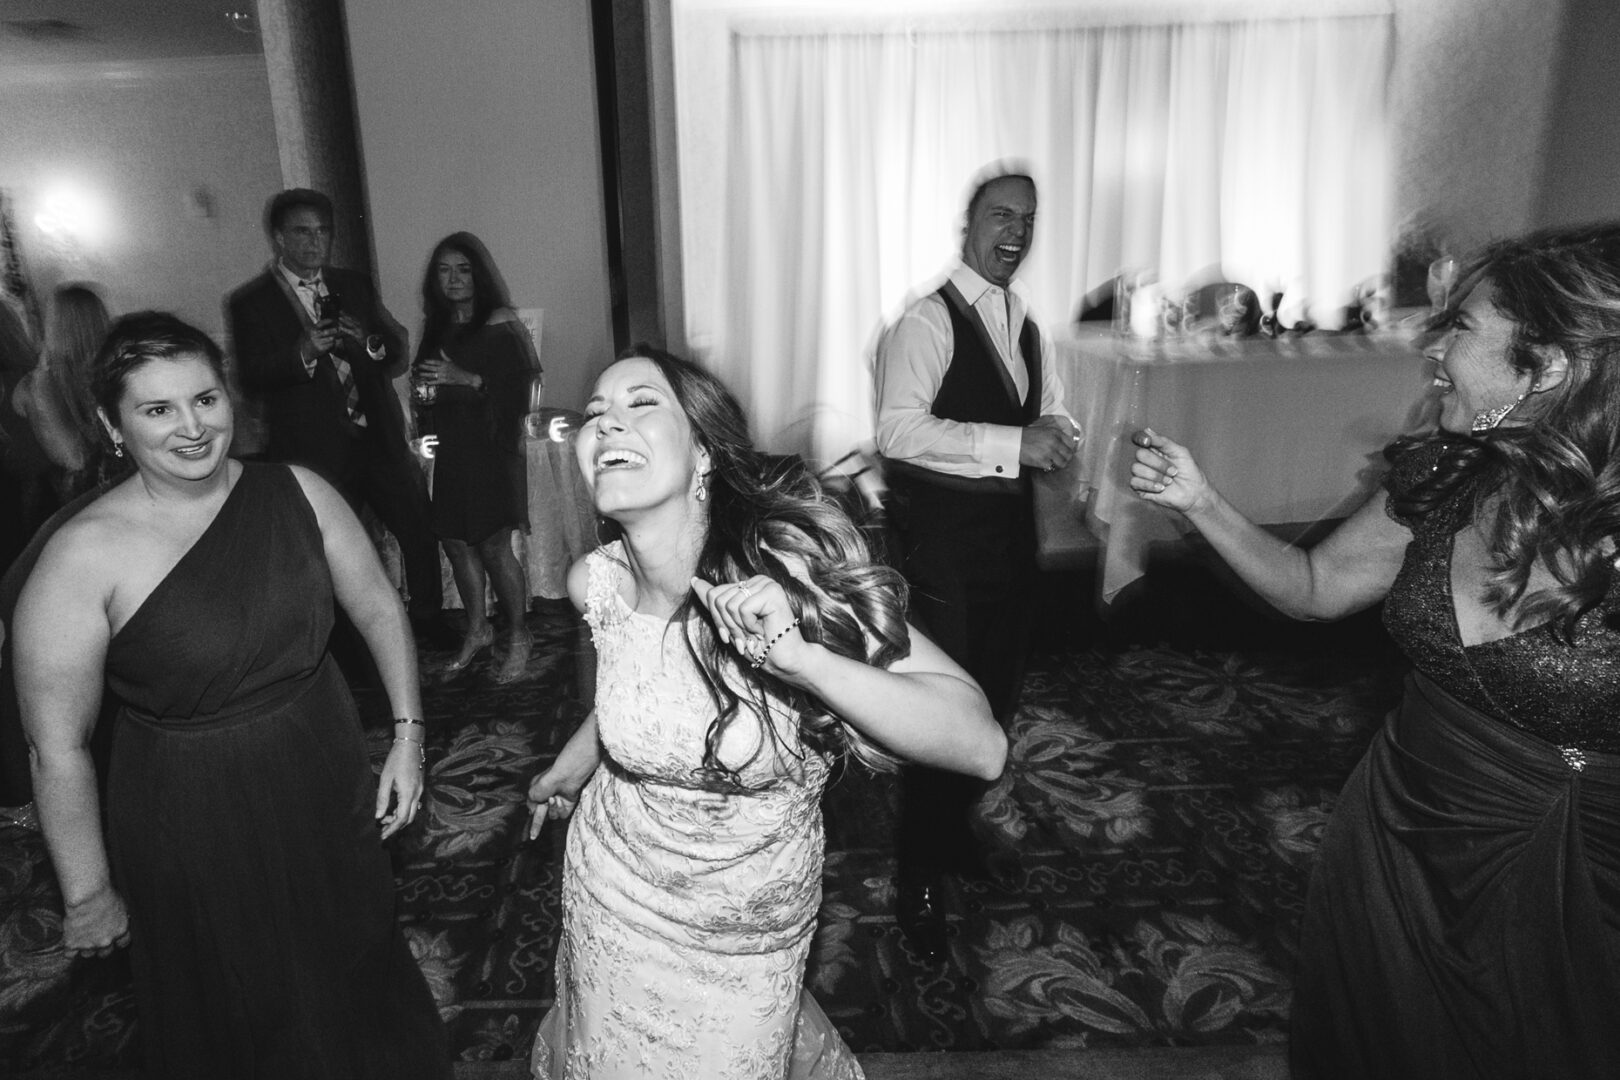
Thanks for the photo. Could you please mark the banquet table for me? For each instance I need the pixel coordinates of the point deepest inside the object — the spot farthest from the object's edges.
(1290, 430)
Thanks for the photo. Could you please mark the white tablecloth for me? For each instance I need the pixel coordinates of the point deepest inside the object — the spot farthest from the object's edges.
(1289, 430)
(562, 519)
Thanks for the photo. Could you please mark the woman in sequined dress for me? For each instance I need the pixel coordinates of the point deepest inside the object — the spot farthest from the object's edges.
(746, 643)
(1464, 914)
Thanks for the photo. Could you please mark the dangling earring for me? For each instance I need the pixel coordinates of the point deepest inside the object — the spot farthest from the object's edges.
(703, 487)
(118, 449)
(1486, 419)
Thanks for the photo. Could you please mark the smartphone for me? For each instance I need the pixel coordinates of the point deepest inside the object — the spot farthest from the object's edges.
(327, 308)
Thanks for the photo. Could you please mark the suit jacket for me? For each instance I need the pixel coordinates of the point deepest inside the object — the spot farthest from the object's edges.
(304, 415)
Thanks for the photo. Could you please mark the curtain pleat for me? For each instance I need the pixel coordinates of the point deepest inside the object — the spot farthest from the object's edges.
(1252, 150)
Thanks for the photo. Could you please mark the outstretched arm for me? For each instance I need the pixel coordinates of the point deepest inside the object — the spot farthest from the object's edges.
(1351, 569)
(924, 707)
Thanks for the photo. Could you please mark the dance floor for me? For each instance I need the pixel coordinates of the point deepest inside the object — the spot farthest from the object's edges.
(1148, 848)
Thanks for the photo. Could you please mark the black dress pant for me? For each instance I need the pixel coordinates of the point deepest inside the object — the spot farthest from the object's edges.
(396, 490)
(376, 473)
(970, 561)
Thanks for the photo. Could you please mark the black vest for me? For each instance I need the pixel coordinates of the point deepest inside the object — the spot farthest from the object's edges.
(977, 388)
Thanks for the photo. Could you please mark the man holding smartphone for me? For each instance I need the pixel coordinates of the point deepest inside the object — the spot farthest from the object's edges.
(317, 352)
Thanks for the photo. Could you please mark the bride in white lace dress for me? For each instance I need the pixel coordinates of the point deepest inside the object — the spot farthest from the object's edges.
(745, 642)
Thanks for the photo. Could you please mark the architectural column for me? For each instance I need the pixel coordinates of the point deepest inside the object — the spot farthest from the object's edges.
(306, 54)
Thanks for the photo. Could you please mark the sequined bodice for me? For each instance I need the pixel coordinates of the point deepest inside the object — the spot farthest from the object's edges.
(1568, 695)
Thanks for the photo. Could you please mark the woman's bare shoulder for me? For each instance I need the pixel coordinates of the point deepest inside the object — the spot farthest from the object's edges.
(90, 545)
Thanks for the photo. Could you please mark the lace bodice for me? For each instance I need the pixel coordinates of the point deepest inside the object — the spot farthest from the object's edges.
(745, 866)
(688, 911)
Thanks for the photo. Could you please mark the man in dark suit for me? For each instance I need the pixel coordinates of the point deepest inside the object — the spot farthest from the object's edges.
(317, 351)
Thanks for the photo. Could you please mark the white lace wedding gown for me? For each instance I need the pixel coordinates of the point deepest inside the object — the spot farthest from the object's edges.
(687, 914)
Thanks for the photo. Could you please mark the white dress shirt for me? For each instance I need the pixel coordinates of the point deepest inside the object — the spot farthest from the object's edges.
(912, 358)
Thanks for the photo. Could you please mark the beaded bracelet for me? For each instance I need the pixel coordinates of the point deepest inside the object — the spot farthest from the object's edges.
(757, 661)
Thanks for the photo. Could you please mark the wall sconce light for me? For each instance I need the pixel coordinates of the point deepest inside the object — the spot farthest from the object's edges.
(69, 218)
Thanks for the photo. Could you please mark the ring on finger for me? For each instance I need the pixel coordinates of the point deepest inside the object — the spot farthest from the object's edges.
(744, 587)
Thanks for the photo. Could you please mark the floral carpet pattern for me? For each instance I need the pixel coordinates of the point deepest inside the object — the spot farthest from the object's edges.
(1146, 854)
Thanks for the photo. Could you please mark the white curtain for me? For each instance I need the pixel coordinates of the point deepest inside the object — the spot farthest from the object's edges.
(1256, 147)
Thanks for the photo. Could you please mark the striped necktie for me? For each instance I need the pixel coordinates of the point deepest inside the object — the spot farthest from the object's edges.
(345, 374)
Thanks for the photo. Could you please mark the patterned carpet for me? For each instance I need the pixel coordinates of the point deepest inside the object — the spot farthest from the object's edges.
(1148, 851)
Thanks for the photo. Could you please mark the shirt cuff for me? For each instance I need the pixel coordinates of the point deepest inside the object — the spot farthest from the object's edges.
(1000, 450)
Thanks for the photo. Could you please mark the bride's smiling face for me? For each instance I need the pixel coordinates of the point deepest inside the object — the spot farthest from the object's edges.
(636, 448)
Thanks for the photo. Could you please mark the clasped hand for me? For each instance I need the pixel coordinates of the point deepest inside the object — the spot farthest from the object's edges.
(442, 371)
(1049, 443)
(329, 334)
(96, 925)
(755, 618)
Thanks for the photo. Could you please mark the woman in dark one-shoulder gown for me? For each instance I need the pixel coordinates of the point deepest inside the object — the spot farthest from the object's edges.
(242, 858)
(1463, 919)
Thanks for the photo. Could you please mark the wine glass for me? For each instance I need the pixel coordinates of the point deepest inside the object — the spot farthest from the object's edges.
(1442, 279)
(1231, 309)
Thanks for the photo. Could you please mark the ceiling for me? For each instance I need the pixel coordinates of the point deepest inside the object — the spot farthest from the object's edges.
(40, 33)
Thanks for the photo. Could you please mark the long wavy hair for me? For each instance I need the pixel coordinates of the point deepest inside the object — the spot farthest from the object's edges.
(770, 517)
(76, 328)
(1547, 486)
(489, 291)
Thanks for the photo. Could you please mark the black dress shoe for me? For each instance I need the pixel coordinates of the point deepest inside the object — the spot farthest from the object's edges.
(922, 920)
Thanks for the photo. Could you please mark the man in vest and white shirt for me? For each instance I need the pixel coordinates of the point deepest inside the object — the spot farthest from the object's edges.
(969, 404)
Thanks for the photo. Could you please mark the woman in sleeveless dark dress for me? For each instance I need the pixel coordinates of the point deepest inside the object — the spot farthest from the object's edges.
(1464, 914)
(478, 364)
(242, 859)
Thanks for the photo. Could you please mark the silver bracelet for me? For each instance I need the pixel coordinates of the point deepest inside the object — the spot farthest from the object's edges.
(421, 751)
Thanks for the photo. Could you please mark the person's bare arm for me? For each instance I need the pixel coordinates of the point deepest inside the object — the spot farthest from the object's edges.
(60, 650)
(924, 707)
(555, 792)
(1351, 569)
